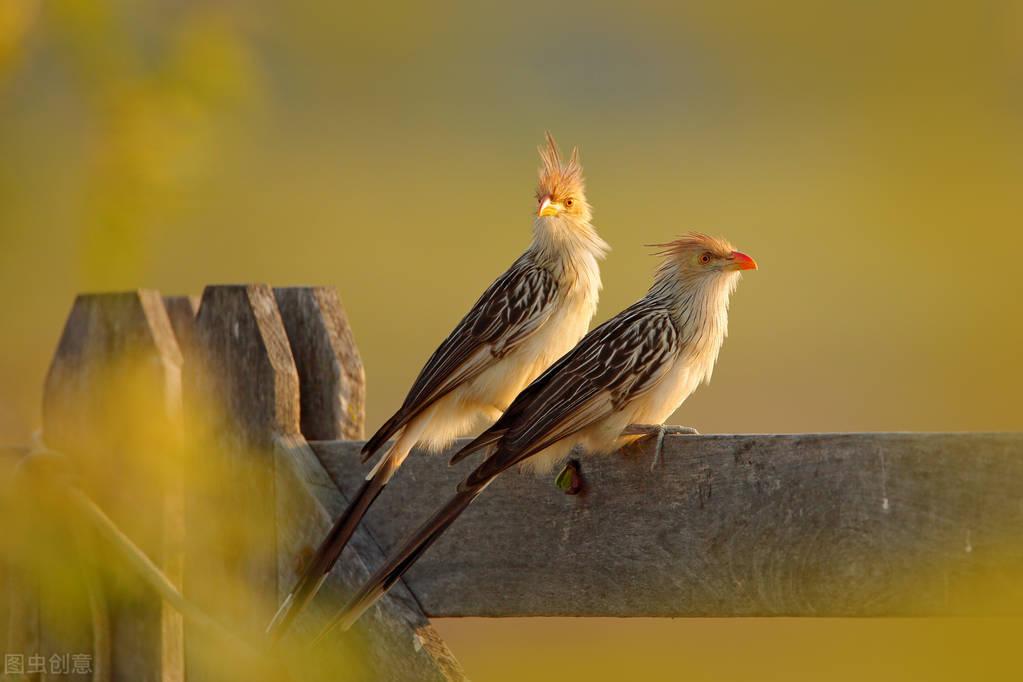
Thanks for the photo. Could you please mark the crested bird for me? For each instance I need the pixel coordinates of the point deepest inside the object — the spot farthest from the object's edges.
(622, 380)
(525, 320)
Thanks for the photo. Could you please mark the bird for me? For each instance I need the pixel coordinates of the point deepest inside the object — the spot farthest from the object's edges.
(618, 384)
(525, 320)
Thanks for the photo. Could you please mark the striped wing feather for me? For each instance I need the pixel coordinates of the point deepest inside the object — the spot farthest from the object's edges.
(511, 310)
(612, 366)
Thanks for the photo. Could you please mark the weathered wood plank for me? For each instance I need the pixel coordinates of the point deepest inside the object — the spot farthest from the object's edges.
(112, 403)
(330, 372)
(759, 525)
(241, 394)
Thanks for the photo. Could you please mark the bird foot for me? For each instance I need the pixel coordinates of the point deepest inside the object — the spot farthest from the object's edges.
(570, 480)
(659, 431)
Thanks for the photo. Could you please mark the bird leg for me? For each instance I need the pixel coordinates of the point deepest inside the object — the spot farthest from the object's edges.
(660, 431)
(570, 480)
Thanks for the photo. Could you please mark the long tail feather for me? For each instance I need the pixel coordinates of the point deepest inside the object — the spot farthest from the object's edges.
(328, 552)
(378, 439)
(391, 572)
(486, 438)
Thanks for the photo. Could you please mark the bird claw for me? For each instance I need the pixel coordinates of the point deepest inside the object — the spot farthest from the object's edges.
(653, 429)
(570, 480)
(660, 431)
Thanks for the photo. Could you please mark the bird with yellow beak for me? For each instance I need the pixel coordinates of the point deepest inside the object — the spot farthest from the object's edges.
(528, 318)
(629, 373)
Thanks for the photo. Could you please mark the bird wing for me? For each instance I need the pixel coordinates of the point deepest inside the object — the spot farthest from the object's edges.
(511, 310)
(612, 366)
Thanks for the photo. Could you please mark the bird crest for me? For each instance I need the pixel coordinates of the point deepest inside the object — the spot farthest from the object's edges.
(694, 241)
(557, 178)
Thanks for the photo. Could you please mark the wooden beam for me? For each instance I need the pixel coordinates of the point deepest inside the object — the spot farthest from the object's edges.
(864, 524)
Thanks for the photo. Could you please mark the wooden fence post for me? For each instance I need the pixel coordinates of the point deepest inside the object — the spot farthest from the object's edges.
(330, 373)
(241, 394)
(112, 405)
(398, 643)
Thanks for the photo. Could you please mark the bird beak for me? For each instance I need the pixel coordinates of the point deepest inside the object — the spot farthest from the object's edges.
(741, 261)
(548, 208)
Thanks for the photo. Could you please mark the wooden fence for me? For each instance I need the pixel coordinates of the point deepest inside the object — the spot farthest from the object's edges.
(756, 525)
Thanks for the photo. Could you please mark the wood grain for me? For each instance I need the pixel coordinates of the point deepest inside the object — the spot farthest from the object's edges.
(865, 524)
(331, 376)
(241, 395)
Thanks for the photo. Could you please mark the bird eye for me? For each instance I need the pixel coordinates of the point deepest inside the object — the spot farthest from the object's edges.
(705, 258)
(569, 202)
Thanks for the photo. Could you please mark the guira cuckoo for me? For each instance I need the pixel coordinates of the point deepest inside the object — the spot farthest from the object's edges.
(529, 317)
(635, 369)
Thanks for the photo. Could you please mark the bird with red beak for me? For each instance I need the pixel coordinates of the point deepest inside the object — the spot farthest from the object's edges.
(619, 383)
(525, 320)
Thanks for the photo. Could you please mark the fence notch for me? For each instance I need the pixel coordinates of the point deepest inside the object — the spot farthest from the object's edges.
(181, 310)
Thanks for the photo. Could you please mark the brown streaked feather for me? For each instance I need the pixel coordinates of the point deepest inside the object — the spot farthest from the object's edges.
(511, 310)
(611, 366)
(487, 438)
(600, 383)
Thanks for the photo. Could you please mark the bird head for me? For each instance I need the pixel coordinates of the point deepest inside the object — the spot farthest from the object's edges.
(700, 256)
(696, 280)
(561, 193)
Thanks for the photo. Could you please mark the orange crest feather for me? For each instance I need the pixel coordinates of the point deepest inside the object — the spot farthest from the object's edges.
(559, 180)
(695, 241)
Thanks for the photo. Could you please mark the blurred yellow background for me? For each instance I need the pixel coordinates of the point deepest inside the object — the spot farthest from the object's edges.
(869, 155)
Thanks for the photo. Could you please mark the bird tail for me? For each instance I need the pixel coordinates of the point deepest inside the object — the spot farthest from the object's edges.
(485, 439)
(382, 580)
(378, 439)
(334, 543)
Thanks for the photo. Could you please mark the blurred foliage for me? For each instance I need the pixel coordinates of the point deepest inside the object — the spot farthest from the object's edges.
(868, 155)
(176, 499)
(16, 19)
